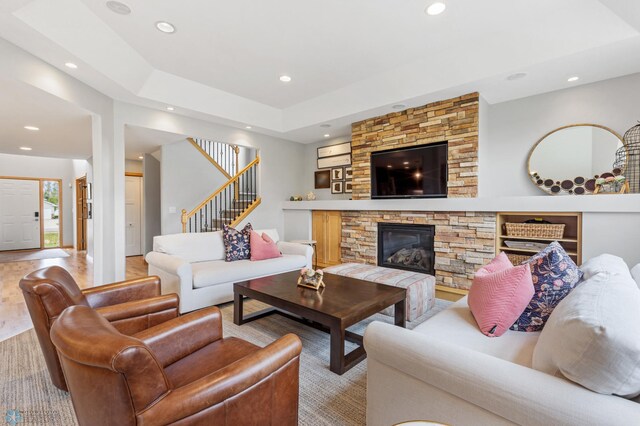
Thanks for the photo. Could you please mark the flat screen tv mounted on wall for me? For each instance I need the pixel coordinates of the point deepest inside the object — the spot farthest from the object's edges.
(415, 172)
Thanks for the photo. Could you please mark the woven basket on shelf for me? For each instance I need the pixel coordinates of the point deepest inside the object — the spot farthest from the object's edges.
(517, 259)
(535, 230)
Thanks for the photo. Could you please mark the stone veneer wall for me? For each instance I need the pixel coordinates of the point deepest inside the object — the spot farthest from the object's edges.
(454, 120)
(463, 242)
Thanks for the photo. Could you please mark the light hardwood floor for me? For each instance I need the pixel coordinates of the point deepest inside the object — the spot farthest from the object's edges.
(14, 317)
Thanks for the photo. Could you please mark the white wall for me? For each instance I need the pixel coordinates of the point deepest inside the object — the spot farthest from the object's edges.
(133, 166)
(152, 208)
(614, 233)
(515, 126)
(51, 168)
(310, 162)
(187, 178)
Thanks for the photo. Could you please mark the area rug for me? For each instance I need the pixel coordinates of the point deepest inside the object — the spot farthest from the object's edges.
(21, 256)
(325, 398)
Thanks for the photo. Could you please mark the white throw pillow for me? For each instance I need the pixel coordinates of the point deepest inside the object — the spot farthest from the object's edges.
(593, 335)
(635, 273)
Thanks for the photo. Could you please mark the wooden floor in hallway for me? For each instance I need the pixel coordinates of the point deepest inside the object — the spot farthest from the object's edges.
(14, 317)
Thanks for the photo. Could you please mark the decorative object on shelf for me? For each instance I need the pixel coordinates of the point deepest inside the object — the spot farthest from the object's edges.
(517, 259)
(311, 196)
(535, 230)
(333, 150)
(337, 174)
(310, 278)
(612, 185)
(521, 234)
(322, 179)
(296, 198)
(348, 173)
(337, 161)
(348, 187)
(628, 158)
(337, 187)
(568, 160)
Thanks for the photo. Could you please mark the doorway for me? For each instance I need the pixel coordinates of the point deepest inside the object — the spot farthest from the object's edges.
(133, 215)
(30, 213)
(19, 214)
(82, 213)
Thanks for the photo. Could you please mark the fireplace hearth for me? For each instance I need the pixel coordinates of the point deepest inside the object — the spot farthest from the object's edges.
(406, 246)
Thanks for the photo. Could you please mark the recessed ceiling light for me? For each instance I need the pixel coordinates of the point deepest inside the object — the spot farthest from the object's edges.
(119, 8)
(517, 76)
(25, 148)
(399, 106)
(170, 108)
(572, 79)
(32, 128)
(325, 126)
(165, 27)
(389, 166)
(247, 127)
(436, 9)
(326, 135)
(285, 78)
(406, 167)
(405, 162)
(71, 65)
(141, 157)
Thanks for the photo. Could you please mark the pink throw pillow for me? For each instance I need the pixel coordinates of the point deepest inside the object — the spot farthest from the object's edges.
(263, 247)
(499, 295)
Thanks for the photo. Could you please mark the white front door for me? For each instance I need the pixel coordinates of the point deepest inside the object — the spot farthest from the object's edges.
(19, 214)
(133, 215)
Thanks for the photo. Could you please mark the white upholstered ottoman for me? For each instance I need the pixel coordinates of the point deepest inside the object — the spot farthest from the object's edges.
(421, 288)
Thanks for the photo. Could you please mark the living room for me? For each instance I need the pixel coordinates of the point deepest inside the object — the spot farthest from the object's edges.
(390, 180)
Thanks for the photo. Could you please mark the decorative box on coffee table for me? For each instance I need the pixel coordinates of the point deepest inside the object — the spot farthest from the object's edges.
(421, 293)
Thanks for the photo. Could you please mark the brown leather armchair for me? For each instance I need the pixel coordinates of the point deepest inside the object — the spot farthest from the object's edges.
(131, 306)
(180, 372)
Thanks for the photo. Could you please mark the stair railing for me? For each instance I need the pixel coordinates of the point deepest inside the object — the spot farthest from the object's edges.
(222, 155)
(229, 204)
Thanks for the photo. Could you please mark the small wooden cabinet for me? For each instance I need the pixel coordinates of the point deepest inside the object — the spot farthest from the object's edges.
(327, 231)
(571, 241)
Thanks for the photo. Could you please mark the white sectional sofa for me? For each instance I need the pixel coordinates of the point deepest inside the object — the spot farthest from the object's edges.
(193, 266)
(446, 370)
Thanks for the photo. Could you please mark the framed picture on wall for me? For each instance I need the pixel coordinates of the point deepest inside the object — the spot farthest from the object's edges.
(348, 172)
(348, 187)
(322, 179)
(337, 161)
(337, 187)
(337, 174)
(333, 150)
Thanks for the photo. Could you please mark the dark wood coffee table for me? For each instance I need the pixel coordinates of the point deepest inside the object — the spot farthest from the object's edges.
(343, 302)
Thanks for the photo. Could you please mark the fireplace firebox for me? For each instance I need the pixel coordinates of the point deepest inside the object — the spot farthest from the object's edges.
(406, 246)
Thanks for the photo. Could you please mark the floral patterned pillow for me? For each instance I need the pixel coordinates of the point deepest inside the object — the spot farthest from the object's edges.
(236, 243)
(554, 275)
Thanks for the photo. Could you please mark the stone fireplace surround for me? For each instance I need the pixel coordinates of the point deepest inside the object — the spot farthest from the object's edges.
(463, 240)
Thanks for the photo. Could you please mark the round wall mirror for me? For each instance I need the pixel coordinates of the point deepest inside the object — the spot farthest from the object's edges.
(568, 160)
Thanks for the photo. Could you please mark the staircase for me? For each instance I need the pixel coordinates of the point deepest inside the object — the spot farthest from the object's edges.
(234, 200)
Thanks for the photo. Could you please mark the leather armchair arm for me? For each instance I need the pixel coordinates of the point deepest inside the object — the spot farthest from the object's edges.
(132, 317)
(224, 383)
(123, 291)
(179, 337)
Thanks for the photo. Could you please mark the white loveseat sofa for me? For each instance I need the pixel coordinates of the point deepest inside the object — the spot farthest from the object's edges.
(446, 370)
(193, 266)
